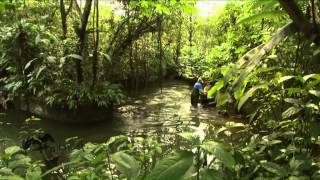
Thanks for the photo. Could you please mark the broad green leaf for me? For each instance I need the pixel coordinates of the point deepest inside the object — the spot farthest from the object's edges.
(21, 162)
(126, 164)
(33, 173)
(173, 166)
(13, 150)
(210, 174)
(51, 59)
(315, 92)
(248, 94)
(29, 63)
(115, 139)
(234, 124)
(38, 39)
(314, 76)
(41, 69)
(239, 92)
(293, 101)
(191, 137)
(217, 86)
(299, 178)
(291, 111)
(75, 56)
(5, 171)
(275, 169)
(312, 106)
(220, 153)
(11, 177)
(285, 78)
(107, 57)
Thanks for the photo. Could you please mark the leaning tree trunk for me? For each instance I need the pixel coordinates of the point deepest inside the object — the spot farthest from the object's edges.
(253, 57)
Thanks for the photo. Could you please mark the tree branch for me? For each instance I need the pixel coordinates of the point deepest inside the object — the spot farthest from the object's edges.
(300, 20)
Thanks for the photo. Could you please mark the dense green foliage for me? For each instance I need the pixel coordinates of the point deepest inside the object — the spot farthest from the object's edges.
(260, 55)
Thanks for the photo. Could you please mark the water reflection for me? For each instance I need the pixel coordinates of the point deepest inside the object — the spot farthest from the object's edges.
(149, 111)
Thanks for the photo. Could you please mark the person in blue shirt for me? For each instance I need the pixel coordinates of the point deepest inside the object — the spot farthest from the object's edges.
(196, 91)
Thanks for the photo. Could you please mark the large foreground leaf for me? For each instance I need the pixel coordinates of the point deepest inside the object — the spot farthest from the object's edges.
(220, 153)
(218, 85)
(126, 164)
(172, 167)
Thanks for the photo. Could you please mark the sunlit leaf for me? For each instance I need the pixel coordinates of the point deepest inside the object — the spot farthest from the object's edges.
(285, 78)
(291, 111)
(293, 101)
(217, 86)
(41, 69)
(12, 150)
(75, 56)
(51, 59)
(315, 92)
(29, 63)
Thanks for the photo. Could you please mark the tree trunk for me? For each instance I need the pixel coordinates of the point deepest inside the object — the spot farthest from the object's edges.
(178, 48)
(298, 18)
(82, 39)
(190, 43)
(136, 62)
(145, 63)
(131, 67)
(64, 15)
(63, 19)
(96, 45)
(160, 49)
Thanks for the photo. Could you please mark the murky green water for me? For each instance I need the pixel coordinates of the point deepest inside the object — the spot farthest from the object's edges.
(149, 111)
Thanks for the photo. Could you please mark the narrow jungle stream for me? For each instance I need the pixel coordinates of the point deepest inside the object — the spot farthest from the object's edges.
(147, 111)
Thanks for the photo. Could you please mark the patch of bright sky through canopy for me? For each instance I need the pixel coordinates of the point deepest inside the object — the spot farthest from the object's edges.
(210, 7)
(205, 7)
